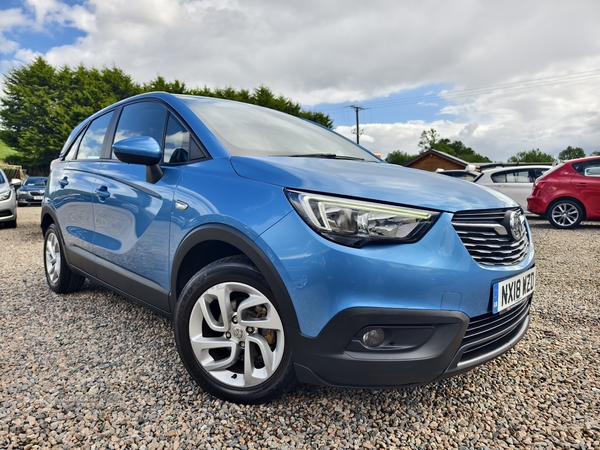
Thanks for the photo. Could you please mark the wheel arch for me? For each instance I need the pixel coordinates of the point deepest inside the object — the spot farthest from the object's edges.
(47, 219)
(209, 243)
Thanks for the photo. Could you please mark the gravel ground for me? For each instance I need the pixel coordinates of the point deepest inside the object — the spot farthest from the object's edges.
(93, 370)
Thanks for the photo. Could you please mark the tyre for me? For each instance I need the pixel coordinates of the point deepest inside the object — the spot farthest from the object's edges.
(58, 273)
(565, 214)
(230, 336)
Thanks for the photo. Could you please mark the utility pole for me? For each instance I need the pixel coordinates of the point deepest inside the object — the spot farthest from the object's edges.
(357, 109)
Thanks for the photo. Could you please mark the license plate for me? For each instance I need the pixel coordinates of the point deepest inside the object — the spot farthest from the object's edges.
(512, 291)
(37, 197)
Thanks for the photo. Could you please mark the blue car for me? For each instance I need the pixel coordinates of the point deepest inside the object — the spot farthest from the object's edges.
(283, 252)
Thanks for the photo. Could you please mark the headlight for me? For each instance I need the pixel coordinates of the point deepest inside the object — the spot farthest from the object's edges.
(5, 195)
(357, 223)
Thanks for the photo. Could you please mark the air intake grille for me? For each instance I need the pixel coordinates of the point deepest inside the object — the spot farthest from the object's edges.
(484, 330)
(493, 237)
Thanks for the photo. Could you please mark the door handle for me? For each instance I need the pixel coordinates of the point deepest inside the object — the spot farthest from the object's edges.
(582, 185)
(64, 182)
(102, 192)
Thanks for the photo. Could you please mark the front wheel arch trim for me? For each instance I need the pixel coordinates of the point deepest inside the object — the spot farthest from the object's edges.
(235, 238)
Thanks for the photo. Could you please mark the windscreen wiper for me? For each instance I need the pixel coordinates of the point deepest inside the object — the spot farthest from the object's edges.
(327, 156)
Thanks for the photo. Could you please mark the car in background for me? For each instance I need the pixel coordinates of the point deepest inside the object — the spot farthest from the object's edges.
(8, 204)
(31, 191)
(467, 175)
(568, 193)
(516, 182)
(283, 251)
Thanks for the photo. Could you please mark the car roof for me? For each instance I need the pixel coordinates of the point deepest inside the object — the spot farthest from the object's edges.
(520, 166)
(506, 168)
(587, 158)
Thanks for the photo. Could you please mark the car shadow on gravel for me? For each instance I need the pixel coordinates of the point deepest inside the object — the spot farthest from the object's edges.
(543, 224)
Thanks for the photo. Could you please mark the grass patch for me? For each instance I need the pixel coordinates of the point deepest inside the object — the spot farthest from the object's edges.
(5, 150)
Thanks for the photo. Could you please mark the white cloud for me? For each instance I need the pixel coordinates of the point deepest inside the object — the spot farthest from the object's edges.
(316, 52)
(9, 19)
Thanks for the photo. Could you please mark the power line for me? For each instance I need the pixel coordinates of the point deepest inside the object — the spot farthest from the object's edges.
(474, 92)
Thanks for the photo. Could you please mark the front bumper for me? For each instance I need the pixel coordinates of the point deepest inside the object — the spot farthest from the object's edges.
(7, 215)
(30, 198)
(8, 210)
(420, 346)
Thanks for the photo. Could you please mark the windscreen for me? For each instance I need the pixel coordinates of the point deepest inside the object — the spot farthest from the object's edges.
(248, 130)
(35, 182)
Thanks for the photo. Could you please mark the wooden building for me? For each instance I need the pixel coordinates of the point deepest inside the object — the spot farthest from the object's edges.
(433, 160)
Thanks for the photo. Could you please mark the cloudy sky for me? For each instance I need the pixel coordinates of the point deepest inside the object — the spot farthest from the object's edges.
(501, 76)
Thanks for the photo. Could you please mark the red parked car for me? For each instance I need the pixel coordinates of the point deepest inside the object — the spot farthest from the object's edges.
(568, 193)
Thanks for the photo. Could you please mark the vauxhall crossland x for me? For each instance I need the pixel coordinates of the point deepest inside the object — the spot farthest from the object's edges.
(282, 251)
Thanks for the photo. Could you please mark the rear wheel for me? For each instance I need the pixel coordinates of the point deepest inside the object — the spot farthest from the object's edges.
(58, 273)
(230, 335)
(565, 214)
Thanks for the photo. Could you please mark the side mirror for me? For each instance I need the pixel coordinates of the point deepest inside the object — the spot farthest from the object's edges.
(15, 182)
(142, 150)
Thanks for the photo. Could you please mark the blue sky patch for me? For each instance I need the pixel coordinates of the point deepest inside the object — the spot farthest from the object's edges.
(422, 103)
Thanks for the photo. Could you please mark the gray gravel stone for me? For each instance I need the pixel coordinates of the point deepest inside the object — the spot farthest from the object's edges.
(92, 370)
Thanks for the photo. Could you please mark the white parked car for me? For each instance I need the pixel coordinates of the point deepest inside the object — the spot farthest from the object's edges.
(515, 181)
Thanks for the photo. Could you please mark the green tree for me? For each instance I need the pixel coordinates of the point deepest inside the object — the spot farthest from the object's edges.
(428, 140)
(263, 96)
(532, 156)
(595, 153)
(399, 157)
(160, 84)
(431, 140)
(463, 152)
(41, 105)
(571, 153)
(31, 117)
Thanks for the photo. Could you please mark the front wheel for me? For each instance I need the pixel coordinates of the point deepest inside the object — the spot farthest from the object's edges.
(230, 335)
(565, 214)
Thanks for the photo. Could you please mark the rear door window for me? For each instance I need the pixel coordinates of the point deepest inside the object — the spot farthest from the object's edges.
(512, 176)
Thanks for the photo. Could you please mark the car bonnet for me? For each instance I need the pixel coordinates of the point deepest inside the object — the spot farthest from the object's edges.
(372, 181)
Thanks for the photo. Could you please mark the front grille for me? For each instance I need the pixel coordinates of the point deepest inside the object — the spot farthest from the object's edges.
(488, 238)
(6, 213)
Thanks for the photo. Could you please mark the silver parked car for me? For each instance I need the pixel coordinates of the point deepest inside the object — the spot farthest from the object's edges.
(8, 203)
(516, 182)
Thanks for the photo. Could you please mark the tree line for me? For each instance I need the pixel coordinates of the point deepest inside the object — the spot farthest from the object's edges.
(41, 105)
(431, 140)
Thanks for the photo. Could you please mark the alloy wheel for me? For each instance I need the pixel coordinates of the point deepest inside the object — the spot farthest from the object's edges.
(53, 258)
(565, 214)
(236, 334)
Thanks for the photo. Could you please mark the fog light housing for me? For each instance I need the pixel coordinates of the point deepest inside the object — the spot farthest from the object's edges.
(373, 338)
